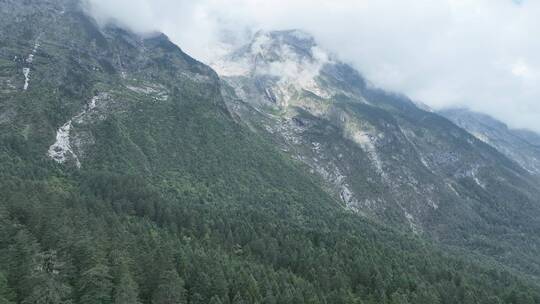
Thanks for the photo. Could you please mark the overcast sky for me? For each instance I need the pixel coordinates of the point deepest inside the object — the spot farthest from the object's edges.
(480, 54)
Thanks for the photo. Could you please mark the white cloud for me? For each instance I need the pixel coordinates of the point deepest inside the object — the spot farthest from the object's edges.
(483, 54)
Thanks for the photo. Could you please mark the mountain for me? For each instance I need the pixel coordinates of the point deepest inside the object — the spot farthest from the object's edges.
(383, 156)
(530, 136)
(126, 178)
(519, 145)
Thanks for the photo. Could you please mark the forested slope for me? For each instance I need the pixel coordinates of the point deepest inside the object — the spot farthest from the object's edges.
(124, 179)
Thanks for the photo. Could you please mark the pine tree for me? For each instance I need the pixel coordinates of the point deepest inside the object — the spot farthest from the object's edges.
(24, 262)
(427, 296)
(170, 289)
(126, 290)
(95, 285)
(398, 298)
(219, 283)
(48, 290)
(238, 299)
(269, 298)
(5, 292)
(215, 300)
(197, 298)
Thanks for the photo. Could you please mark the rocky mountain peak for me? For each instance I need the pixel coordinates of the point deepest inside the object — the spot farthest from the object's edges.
(272, 53)
(272, 44)
(282, 62)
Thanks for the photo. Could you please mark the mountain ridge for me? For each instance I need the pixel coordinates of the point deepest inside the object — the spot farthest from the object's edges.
(519, 145)
(380, 154)
(175, 201)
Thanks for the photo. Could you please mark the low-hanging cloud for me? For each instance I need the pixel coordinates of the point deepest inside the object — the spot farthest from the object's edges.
(480, 54)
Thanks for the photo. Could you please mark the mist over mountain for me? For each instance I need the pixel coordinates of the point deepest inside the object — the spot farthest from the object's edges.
(381, 155)
(132, 172)
(472, 54)
(520, 145)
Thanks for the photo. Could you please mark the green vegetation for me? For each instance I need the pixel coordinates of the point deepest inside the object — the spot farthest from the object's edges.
(177, 203)
(102, 237)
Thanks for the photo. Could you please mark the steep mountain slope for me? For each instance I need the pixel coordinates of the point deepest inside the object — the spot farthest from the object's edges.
(530, 136)
(521, 146)
(379, 153)
(125, 179)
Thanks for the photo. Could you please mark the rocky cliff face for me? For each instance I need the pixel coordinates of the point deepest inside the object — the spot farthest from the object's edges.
(380, 154)
(521, 146)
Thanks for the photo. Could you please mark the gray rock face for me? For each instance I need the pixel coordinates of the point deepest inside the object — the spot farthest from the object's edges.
(379, 153)
(519, 145)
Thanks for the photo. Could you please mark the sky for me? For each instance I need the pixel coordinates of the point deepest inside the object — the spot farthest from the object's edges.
(479, 54)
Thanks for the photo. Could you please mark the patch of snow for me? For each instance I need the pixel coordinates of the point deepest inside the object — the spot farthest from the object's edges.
(26, 73)
(158, 93)
(423, 161)
(92, 104)
(452, 188)
(478, 182)
(432, 203)
(481, 137)
(29, 60)
(62, 151)
(411, 220)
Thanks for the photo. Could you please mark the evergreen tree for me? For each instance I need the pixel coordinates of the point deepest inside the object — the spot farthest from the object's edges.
(23, 264)
(238, 299)
(269, 298)
(5, 292)
(398, 298)
(197, 298)
(170, 289)
(215, 300)
(95, 285)
(48, 286)
(126, 290)
(48, 290)
(426, 296)
(219, 283)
